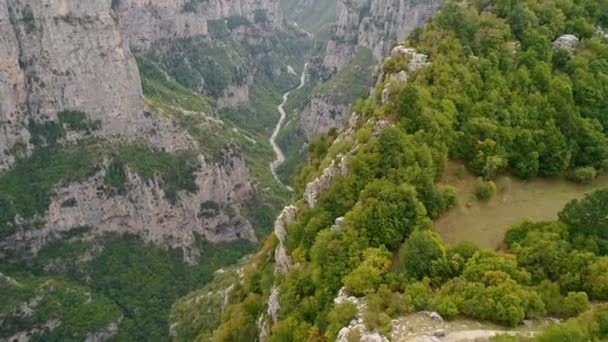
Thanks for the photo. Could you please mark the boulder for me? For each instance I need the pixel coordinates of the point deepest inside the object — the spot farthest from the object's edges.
(567, 42)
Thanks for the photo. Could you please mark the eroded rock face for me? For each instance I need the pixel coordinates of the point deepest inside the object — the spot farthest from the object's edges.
(60, 55)
(212, 212)
(73, 56)
(357, 323)
(376, 24)
(338, 167)
(147, 21)
(321, 114)
(282, 259)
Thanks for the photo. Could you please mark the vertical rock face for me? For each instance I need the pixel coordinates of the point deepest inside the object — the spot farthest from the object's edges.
(322, 113)
(212, 212)
(373, 24)
(12, 91)
(60, 55)
(377, 25)
(73, 56)
(147, 21)
(283, 260)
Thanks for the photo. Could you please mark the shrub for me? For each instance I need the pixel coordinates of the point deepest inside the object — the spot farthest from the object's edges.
(583, 175)
(366, 278)
(339, 316)
(484, 190)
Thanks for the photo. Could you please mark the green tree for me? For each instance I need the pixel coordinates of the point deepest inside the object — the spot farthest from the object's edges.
(368, 275)
(386, 214)
(418, 253)
(588, 215)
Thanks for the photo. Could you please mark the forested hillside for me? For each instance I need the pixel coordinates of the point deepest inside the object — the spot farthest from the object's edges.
(516, 87)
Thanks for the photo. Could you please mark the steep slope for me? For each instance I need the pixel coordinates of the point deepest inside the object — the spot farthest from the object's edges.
(45, 46)
(374, 25)
(362, 34)
(314, 16)
(77, 80)
(146, 22)
(487, 83)
(122, 179)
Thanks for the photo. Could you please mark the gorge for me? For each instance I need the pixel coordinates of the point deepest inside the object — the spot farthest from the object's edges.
(302, 170)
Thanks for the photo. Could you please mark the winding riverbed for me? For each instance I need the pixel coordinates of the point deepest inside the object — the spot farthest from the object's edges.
(280, 157)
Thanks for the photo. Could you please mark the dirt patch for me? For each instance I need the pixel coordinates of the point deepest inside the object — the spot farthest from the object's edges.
(485, 223)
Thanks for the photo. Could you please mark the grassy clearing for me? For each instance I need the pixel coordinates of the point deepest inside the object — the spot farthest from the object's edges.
(485, 223)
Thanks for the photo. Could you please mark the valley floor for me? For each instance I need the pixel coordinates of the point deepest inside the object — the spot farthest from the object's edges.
(485, 223)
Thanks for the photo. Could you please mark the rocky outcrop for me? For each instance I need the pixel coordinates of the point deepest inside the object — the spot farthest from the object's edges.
(282, 260)
(104, 334)
(213, 211)
(322, 113)
(567, 42)
(377, 25)
(603, 33)
(235, 95)
(147, 21)
(357, 323)
(338, 167)
(70, 55)
(416, 61)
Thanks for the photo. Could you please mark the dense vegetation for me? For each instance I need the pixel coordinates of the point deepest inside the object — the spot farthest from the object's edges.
(498, 96)
(130, 282)
(126, 281)
(590, 326)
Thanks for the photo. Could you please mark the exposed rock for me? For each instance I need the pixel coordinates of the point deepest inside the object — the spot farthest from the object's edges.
(262, 325)
(146, 211)
(567, 42)
(273, 303)
(282, 260)
(400, 77)
(24, 336)
(439, 333)
(374, 24)
(338, 225)
(603, 33)
(105, 333)
(147, 21)
(338, 167)
(70, 55)
(357, 322)
(417, 60)
(322, 113)
(385, 95)
(234, 96)
(433, 315)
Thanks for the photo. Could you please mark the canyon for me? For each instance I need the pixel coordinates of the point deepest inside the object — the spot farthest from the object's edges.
(158, 121)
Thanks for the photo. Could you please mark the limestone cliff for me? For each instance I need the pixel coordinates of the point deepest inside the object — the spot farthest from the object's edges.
(375, 25)
(146, 21)
(69, 55)
(212, 212)
(58, 55)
